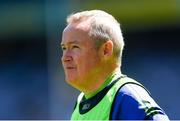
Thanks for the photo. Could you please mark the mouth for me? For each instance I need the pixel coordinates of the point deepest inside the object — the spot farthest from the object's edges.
(69, 68)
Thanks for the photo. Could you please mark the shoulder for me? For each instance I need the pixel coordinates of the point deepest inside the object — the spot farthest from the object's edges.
(133, 101)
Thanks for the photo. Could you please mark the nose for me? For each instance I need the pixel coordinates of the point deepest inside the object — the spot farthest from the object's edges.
(66, 57)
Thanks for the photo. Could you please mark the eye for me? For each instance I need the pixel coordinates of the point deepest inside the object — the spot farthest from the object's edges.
(63, 47)
(75, 46)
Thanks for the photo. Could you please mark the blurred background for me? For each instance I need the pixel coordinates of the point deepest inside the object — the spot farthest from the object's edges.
(32, 82)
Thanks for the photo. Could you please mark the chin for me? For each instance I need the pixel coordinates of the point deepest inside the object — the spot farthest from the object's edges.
(73, 83)
(70, 81)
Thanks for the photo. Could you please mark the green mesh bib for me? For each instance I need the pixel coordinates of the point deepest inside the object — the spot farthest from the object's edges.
(103, 109)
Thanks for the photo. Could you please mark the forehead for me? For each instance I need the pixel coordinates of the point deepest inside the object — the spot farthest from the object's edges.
(76, 33)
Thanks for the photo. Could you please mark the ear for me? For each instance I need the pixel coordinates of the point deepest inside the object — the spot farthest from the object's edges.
(107, 49)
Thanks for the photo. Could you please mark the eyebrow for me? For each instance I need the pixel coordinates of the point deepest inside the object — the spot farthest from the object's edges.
(71, 42)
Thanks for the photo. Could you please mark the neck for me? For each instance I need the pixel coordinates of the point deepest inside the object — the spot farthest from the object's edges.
(105, 81)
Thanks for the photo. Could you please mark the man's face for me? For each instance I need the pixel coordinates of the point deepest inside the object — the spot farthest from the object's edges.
(80, 58)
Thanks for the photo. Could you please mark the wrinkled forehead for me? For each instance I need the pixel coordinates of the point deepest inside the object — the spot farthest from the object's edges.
(75, 29)
(76, 32)
(83, 27)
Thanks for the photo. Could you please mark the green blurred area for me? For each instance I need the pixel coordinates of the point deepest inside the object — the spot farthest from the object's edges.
(30, 17)
(137, 13)
(21, 19)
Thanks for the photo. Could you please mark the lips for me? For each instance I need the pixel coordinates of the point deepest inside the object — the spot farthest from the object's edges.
(70, 67)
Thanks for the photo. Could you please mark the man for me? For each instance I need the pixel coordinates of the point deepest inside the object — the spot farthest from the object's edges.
(92, 45)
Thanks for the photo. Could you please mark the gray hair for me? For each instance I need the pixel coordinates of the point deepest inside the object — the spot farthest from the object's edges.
(103, 27)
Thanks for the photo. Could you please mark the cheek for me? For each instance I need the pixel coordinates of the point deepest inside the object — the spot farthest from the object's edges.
(88, 62)
(86, 59)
